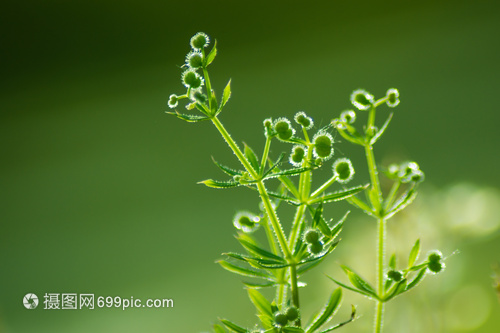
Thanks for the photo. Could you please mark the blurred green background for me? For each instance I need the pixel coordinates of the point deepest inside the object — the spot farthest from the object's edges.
(99, 189)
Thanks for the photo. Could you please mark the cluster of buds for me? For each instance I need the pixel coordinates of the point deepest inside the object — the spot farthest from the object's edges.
(313, 238)
(190, 78)
(281, 319)
(407, 172)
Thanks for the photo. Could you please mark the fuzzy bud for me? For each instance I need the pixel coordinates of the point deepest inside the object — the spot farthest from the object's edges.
(361, 99)
(343, 170)
(303, 120)
(323, 145)
(199, 41)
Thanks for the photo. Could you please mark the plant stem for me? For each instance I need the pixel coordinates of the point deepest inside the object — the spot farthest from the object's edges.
(379, 311)
(260, 186)
(372, 169)
(295, 290)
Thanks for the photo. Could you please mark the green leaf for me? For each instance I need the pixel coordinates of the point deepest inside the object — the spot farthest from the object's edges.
(406, 199)
(288, 172)
(260, 302)
(202, 108)
(232, 326)
(275, 164)
(319, 222)
(328, 311)
(417, 279)
(340, 195)
(220, 184)
(392, 261)
(338, 227)
(227, 170)
(353, 316)
(415, 251)
(211, 55)
(219, 329)
(226, 94)
(358, 282)
(244, 271)
(360, 204)
(257, 285)
(397, 289)
(251, 157)
(213, 103)
(190, 118)
(351, 288)
(254, 249)
(381, 131)
(292, 329)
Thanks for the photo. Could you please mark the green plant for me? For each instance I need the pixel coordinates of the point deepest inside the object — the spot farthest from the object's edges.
(310, 237)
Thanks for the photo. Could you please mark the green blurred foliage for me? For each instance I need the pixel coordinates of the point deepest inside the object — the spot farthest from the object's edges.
(99, 189)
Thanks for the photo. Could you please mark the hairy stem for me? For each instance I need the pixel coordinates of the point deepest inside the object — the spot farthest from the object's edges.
(379, 310)
(260, 186)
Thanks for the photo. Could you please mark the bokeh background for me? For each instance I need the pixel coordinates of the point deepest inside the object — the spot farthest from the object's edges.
(98, 185)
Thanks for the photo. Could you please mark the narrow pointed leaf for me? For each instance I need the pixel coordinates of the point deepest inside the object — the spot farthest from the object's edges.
(328, 311)
(355, 201)
(353, 316)
(406, 199)
(190, 118)
(254, 249)
(288, 172)
(397, 289)
(319, 222)
(338, 227)
(219, 184)
(227, 170)
(392, 261)
(233, 327)
(275, 164)
(292, 329)
(358, 282)
(251, 157)
(243, 271)
(352, 289)
(417, 279)
(382, 130)
(219, 329)
(415, 251)
(202, 108)
(226, 94)
(283, 197)
(213, 103)
(260, 302)
(340, 195)
(211, 55)
(257, 285)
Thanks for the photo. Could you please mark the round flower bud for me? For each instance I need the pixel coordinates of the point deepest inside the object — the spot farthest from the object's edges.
(199, 41)
(392, 98)
(280, 319)
(323, 145)
(173, 101)
(338, 124)
(348, 117)
(198, 96)
(268, 123)
(292, 313)
(194, 59)
(315, 248)
(246, 222)
(361, 99)
(435, 266)
(298, 154)
(283, 129)
(395, 276)
(392, 171)
(303, 120)
(191, 79)
(343, 170)
(312, 236)
(417, 176)
(435, 256)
